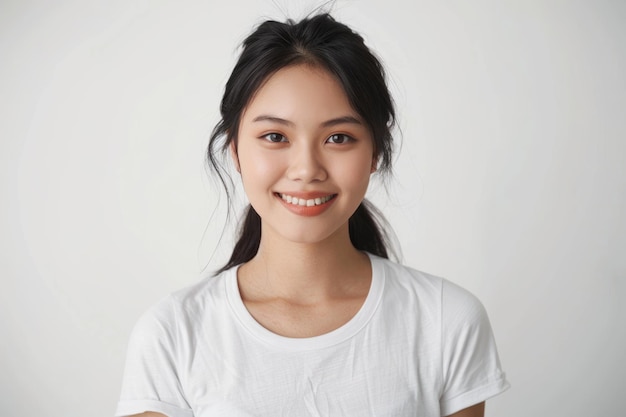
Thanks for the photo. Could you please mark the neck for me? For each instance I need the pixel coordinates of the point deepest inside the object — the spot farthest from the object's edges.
(305, 272)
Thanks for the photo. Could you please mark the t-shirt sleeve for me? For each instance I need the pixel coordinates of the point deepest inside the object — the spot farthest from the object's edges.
(151, 380)
(470, 362)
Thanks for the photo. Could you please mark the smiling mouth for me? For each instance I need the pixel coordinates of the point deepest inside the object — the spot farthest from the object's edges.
(306, 202)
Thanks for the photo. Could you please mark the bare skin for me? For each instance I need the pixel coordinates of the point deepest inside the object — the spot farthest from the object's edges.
(477, 410)
(291, 292)
(300, 135)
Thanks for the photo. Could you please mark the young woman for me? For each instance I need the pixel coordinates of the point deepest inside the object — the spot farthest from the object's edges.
(309, 317)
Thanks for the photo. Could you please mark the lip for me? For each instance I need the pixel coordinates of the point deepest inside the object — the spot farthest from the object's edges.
(307, 210)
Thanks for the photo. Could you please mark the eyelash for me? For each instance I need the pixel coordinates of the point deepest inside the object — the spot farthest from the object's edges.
(274, 134)
(346, 138)
(270, 136)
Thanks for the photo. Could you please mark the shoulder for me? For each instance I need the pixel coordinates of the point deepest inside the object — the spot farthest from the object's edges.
(451, 323)
(438, 295)
(183, 308)
(405, 277)
(459, 302)
(443, 291)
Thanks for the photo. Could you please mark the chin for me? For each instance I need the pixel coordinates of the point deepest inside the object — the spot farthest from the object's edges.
(306, 238)
(313, 234)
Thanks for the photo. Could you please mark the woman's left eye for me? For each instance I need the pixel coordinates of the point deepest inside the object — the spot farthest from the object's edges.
(339, 138)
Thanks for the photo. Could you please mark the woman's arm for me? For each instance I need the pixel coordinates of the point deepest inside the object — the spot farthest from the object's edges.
(477, 410)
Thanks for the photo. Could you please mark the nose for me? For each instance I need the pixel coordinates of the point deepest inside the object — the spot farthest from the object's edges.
(306, 165)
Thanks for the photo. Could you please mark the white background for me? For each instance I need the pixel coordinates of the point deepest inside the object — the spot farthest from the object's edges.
(511, 180)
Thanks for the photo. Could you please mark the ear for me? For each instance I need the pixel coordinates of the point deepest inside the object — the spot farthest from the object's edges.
(234, 155)
(374, 164)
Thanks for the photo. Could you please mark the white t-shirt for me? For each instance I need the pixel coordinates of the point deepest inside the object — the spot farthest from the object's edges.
(419, 346)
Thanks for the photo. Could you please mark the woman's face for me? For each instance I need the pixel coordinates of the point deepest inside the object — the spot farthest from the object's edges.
(304, 154)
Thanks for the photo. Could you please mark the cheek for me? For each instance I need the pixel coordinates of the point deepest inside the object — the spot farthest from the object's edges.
(355, 171)
(258, 168)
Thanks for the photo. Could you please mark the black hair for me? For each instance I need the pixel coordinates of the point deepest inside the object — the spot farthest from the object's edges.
(323, 42)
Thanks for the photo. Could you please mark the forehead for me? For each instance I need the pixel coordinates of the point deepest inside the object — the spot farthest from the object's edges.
(300, 90)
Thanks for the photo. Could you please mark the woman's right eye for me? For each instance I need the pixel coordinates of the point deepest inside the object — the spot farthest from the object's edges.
(274, 137)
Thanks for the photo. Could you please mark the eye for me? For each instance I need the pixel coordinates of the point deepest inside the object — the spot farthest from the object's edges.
(339, 139)
(274, 138)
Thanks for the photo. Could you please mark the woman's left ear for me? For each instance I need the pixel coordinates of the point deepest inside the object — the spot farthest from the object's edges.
(374, 165)
(233, 154)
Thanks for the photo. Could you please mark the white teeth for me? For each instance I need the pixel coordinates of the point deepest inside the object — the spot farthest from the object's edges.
(308, 203)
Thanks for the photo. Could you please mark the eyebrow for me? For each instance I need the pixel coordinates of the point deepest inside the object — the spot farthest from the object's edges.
(327, 123)
(342, 120)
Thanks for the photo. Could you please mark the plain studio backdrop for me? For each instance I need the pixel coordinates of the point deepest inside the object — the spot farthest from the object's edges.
(510, 180)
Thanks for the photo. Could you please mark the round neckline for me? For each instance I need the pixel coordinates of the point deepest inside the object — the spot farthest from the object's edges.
(342, 333)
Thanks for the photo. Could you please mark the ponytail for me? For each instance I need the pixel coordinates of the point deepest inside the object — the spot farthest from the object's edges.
(366, 232)
(249, 240)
